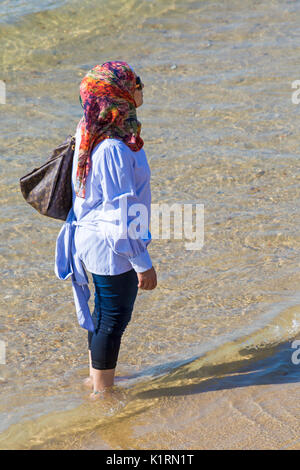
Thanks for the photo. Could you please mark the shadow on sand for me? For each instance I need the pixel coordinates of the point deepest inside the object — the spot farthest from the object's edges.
(270, 365)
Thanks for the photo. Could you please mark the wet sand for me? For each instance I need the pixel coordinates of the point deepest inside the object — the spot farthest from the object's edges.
(228, 406)
(241, 395)
(259, 417)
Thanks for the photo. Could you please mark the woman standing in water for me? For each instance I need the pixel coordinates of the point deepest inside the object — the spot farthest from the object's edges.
(110, 177)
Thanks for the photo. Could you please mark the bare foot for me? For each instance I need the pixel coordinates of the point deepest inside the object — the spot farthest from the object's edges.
(100, 394)
(96, 395)
(89, 382)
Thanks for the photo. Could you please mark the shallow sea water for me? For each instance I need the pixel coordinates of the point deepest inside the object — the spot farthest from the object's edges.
(212, 344)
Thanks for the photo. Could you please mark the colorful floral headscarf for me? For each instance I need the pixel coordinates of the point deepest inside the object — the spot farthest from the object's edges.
(109, 111)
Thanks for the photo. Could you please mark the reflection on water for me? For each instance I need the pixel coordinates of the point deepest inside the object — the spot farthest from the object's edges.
(219, 129)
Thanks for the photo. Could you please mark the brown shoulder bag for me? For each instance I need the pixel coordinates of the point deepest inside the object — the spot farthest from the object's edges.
(48, 188)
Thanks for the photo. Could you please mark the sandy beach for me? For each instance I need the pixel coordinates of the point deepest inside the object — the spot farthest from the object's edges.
(238, 396)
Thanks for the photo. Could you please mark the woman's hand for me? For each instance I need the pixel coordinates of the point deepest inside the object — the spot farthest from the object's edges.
(147, 279)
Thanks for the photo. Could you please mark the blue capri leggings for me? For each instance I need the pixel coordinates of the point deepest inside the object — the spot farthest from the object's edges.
(114, 300)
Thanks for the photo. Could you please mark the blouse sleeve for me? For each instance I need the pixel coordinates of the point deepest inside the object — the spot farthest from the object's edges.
(121, 205)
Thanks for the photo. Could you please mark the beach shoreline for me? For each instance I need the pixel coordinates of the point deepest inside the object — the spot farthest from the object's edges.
(246, 400)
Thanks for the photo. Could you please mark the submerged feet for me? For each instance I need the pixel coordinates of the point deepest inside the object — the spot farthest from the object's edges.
(88, 382)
